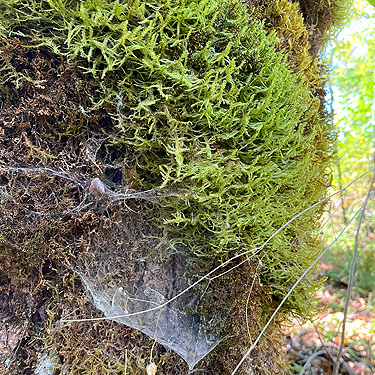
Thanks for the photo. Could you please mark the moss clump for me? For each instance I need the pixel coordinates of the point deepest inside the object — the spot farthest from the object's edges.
(321, 17)
(216, 102)
(213, 111)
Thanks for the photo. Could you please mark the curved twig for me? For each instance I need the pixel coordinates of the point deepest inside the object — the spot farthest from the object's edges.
(253, 250)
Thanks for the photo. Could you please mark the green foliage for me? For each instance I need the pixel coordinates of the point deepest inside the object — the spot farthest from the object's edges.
(212, 110)
(341, 12)
(354, 85)
(354, 98)
(341, 254)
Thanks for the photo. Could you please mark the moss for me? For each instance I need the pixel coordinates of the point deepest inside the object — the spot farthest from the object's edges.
(217, 102)
(322, 19)
(215, 113)
(340, 12)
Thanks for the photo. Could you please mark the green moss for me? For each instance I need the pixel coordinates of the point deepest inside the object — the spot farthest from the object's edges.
(214, 110)
(340, 12)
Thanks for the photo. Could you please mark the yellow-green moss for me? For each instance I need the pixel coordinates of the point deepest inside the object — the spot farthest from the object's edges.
(211, 108)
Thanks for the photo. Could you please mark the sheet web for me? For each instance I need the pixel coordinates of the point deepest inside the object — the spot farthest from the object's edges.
(129, 274)
(105, 234)
(123, 259)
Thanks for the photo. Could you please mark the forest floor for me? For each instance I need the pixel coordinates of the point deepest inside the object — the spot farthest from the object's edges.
(312, 348)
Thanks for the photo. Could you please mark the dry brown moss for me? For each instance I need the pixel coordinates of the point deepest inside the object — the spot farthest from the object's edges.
(57, 143)
(42, 235)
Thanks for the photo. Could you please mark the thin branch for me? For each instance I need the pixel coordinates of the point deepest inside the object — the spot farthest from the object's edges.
(294, 286)
(208, 275)
(310, 359)
(351, 275)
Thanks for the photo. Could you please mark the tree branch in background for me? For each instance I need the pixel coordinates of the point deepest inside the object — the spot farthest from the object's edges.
(352, 265)
(351, 275)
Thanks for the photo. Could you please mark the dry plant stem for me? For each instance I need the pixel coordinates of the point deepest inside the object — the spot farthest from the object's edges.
(317, 354)
(295, 285)
(48, 171)
(126, 362)
(351, 276)
(248, 301)
(154, 343)
(253, 250)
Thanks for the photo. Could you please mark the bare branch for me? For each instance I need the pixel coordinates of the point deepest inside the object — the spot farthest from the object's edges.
(370, 193)
(252, 250)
